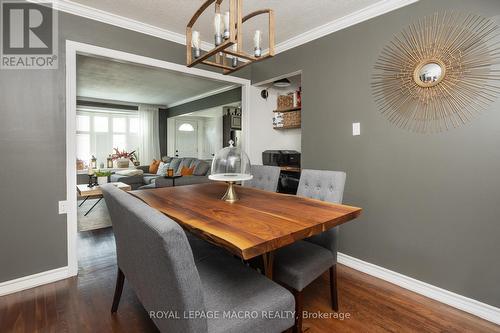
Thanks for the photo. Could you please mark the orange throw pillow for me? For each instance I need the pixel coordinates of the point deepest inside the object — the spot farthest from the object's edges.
(153, 167)
(187, 171)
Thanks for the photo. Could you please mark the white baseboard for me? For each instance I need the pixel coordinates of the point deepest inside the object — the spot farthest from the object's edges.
(35, 280)
(463, 303)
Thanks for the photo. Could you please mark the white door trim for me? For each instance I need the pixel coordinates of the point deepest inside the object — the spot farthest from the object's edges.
(72, 49)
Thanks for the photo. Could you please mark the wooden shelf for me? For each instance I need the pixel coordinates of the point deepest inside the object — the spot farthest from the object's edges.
(297, 108)
(286, 127)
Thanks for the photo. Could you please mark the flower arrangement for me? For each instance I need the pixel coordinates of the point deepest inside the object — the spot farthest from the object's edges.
(123, 154)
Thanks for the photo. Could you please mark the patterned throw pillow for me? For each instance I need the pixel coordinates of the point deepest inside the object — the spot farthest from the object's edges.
(162, 169)
(187, 171)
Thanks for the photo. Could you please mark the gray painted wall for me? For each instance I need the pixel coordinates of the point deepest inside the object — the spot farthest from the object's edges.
(226, 97)
(32, 147)
(431, 202)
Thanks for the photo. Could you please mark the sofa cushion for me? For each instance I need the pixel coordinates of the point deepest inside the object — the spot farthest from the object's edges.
(201, 168)
(186, 162)
(130, 172)
(191, 180)
(137, 179)
(174, 164)
(149, 178)
(188, 180)
(146, 187)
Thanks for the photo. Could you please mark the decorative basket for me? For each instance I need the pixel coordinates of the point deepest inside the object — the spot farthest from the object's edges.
(290, 119)
(122, 163)
(285, 102)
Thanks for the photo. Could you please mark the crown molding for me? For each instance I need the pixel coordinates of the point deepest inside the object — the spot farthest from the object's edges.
(78, 9)
(377, 9)
(200, 96)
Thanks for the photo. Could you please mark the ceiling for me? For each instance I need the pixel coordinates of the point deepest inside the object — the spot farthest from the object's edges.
(293, 17)
(102, 78)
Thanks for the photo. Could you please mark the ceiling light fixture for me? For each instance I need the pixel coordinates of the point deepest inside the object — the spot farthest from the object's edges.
(228, 38)
(282, 83)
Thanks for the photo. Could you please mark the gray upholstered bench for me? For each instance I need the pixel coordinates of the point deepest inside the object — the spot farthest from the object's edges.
(167, 273)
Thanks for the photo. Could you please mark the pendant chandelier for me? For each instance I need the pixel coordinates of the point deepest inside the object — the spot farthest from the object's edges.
(228, 53)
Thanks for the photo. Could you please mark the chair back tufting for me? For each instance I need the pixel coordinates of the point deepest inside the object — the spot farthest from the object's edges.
(322, 185)
(325, 186)
(265, 177)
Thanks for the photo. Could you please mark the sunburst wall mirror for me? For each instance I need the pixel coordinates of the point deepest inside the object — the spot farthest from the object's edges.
(439, 72)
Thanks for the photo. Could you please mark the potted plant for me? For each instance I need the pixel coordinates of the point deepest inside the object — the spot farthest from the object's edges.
(135, 159)
(102, 177)
(123, 158)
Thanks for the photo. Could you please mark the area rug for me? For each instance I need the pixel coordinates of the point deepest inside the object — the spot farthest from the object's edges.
(98, 218)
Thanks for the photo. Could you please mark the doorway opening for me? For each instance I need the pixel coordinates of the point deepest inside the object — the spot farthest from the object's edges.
(106, 116)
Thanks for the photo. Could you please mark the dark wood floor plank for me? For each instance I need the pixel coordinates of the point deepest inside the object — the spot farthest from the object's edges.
(82, 304)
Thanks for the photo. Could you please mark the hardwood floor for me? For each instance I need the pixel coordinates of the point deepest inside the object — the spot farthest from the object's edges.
(83, 303)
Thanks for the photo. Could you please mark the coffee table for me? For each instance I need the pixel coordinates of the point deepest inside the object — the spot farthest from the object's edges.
(95, 192)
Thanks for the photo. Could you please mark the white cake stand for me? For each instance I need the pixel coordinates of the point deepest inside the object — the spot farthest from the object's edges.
(230, 179)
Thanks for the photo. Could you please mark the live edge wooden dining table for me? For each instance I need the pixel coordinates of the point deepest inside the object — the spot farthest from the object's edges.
(256, 225)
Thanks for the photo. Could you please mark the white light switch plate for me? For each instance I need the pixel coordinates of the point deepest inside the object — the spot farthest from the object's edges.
(63, 207)
(356, 129)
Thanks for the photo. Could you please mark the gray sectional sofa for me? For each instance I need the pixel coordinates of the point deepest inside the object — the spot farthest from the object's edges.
(148, 180)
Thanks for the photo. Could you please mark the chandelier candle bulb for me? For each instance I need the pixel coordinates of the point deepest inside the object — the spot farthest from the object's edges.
(195, 43)
(257, 38)
(217, 29)
(228, 30)
(226, 25)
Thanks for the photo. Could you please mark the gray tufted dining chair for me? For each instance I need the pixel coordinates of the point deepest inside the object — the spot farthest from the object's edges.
(265, 177)
(298, 264)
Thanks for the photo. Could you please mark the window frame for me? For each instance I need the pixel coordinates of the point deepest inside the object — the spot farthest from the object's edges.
(111, 115)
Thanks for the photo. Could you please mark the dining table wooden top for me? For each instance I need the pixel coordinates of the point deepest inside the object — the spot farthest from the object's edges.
(259, 223)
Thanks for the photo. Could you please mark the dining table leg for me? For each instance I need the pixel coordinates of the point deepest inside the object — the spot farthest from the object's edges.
(268, 259)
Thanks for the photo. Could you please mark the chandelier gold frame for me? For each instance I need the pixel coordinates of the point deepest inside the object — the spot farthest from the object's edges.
(236, 22)
(465, 47)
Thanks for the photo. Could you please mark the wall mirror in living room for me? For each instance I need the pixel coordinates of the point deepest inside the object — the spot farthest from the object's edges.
(276, 114)
(203, 133)
(140, 126)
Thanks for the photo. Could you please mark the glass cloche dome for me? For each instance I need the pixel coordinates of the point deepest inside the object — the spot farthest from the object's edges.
(230, 165)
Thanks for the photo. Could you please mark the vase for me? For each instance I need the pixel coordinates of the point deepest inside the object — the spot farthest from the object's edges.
(122, 163)
(102, 180)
